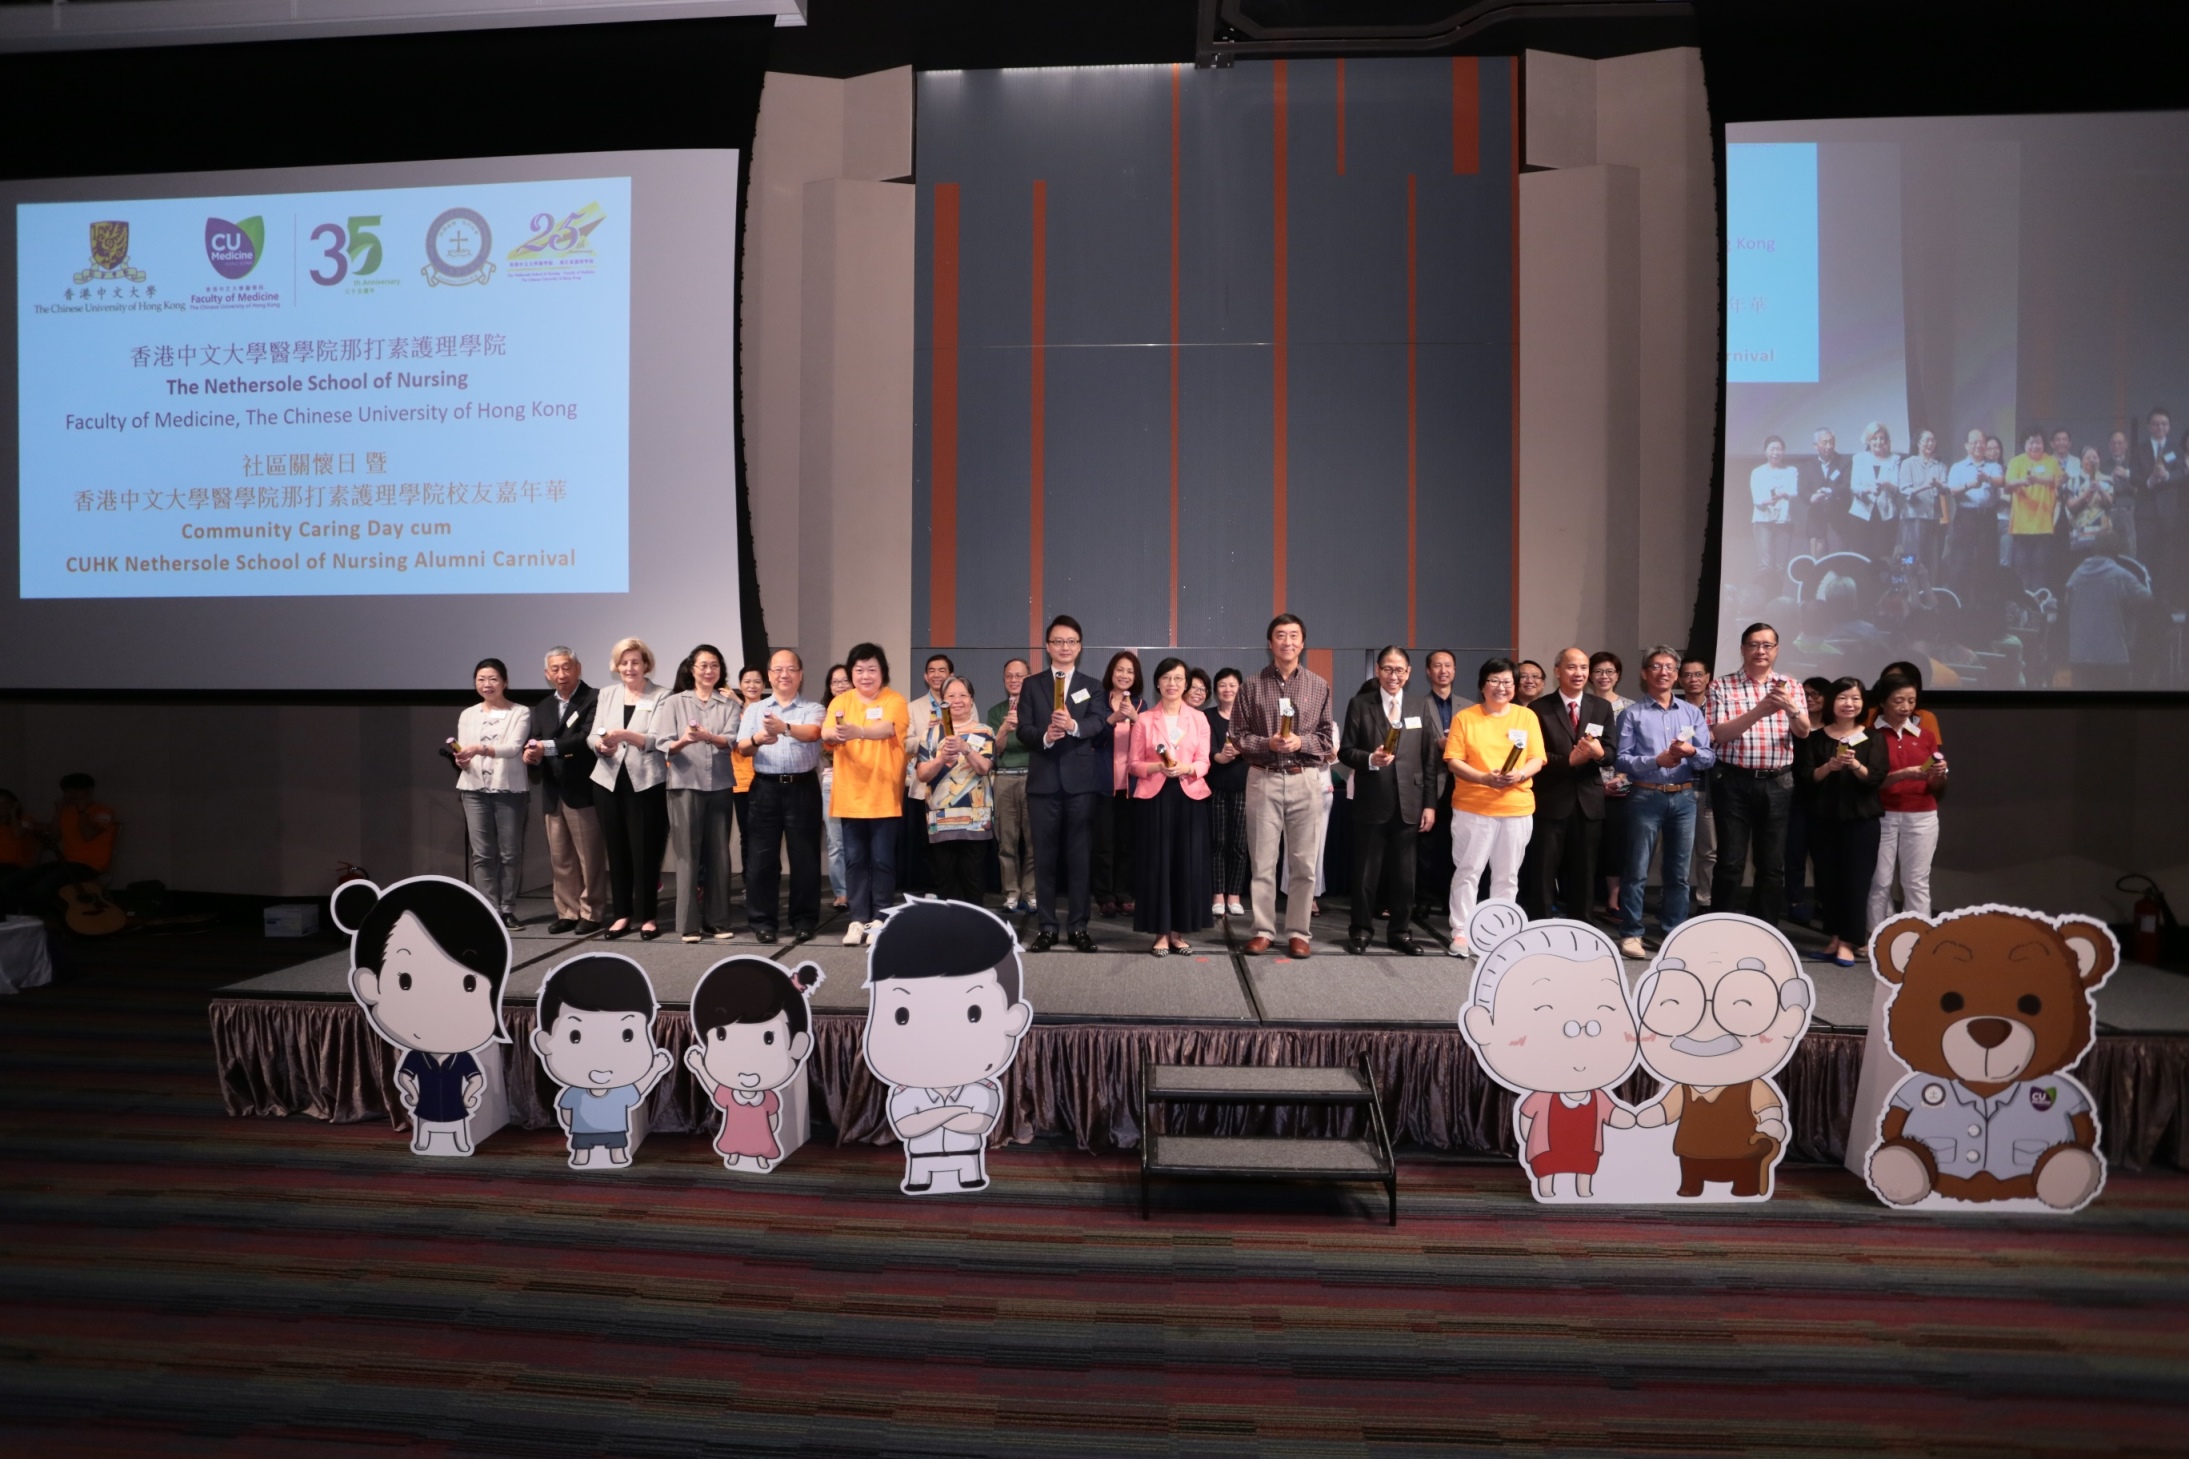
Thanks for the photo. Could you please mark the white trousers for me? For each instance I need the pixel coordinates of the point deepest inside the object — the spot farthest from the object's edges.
(1498, 842)
(1906, 842)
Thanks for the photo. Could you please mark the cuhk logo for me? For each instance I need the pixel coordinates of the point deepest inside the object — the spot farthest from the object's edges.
(234, 248)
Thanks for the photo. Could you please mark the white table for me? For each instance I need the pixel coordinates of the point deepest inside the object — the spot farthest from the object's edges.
(24, 962)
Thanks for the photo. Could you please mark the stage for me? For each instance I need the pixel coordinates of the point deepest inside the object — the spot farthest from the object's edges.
(293, 1041)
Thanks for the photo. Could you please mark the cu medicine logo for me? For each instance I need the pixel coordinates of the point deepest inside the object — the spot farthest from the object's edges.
(234, 249)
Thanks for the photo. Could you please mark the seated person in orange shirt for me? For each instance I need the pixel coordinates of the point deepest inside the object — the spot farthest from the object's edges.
(83, 833)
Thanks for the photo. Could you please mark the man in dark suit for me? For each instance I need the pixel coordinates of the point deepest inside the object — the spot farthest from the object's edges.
(1067, 736)
(562, 766)
(1569, 791)
(1392, 796)
(1825, 494)
(1433, 850)
(2160, 469)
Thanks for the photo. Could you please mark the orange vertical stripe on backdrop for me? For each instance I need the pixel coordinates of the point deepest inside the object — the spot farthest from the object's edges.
(1176, 121)
(1341, 116)
(1279, 468)
(942, 590)
(1512, 95)
(1039, 355)
(1318, 662)
(1466, 115)
(1412, 417)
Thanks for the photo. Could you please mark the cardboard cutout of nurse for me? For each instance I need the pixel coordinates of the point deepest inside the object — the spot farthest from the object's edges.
(1719, 1011)
(1967, 1102)
(945, 1013)
(752, 1030)
(596, 1039)
(428, 961)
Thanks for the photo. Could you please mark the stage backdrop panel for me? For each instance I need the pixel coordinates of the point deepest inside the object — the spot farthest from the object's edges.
(1196, 346)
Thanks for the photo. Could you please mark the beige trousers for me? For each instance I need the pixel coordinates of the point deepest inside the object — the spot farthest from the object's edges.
(580, 860)
(1014, 839)
(1287, 809)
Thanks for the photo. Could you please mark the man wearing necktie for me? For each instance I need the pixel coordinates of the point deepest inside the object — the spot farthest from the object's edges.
(1392, 745)
(1569, 792)
(1063, 721)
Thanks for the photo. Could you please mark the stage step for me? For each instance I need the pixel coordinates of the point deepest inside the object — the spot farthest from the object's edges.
(1265, 1157)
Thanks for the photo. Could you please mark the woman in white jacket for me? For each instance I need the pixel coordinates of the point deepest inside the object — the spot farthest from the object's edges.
(634, 814)
(490, 781)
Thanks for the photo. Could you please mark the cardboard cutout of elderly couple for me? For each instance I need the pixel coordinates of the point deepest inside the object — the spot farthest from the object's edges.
(1720, 1010)
(946, 1009)
(1965, 1095)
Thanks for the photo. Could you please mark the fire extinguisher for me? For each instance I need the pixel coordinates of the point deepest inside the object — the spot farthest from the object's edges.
(2146, 917)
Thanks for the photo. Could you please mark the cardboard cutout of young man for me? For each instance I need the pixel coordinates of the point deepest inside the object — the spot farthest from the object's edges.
(752, 1030)
(945, 1013)
(1723, 1007)
(428, 960)
(596, 1039)
(1983, 1012)
(1549, 1018)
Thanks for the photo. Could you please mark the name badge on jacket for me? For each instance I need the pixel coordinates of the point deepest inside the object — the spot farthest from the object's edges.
(1412, 721)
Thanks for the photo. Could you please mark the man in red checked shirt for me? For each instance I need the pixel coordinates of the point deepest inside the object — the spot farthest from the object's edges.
(1755, 716)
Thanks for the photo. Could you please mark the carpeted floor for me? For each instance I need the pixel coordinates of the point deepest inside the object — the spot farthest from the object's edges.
(176, 1282)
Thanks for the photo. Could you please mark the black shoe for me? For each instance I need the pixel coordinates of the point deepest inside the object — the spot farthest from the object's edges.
(1406, 945)
(615, 932)
(586, 927)
(923, 1185)
(974, 1185)
(763, 934)
(561, 925)
(800, 934)
(646, 935)
(1043, 941)
(1083, 940)
(1357, 943)
(511, 923)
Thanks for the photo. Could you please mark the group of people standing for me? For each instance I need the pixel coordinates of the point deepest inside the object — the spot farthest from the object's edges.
(1180, 799)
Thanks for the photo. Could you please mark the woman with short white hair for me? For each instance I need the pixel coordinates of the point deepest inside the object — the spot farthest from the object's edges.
(1874, 479)
(634, 814)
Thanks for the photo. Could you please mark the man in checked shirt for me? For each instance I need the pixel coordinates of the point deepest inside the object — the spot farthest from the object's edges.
(1284, 800)
(1755, 716)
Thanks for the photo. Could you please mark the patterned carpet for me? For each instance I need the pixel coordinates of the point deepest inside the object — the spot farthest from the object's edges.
(176, 1282)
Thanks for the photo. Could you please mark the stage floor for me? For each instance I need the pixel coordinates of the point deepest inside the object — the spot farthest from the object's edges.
(1217, 983)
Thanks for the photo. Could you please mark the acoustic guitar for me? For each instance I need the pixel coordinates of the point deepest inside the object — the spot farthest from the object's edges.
(89, 913)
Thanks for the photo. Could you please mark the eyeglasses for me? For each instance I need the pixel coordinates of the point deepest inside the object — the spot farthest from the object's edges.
(1063, 642)
(1745, 1001)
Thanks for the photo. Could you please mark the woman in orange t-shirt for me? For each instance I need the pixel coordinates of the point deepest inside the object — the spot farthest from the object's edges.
(866, 728)
(1493, 807)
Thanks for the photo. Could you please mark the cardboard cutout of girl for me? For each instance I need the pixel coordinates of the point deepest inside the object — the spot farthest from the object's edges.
(752, 1029)
(1549, 1018)
(596, 1039)
(428, 960)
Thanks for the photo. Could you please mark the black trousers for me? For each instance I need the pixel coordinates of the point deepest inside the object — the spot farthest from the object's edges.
(1846, 853)
(1565, 850)
(635, 824)
(1751, 813)
(1384, 850)
(776, 807)
(1116, 839)
(1063, 832)
(959, 869)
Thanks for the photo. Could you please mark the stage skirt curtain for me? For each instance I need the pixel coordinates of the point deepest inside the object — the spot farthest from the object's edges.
(1083, 1081)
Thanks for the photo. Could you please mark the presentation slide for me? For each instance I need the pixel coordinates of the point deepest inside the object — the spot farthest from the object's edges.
(1949, 441)
(441, 411)
(400, 390)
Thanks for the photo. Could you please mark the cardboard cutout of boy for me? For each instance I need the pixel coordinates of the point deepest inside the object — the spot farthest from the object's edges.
(428, 960)
(752, 1030)
(596, 1039)
(1723, 1007)
(1549, 1018)
(1982, 1013)
(944, 1019)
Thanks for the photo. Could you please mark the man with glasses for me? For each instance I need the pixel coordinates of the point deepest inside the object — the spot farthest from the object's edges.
(1063, 721)
(1394, 752)
(782, 733)
(1664, 748)
(1014, 847)
(1695, 689)
(1755, 717)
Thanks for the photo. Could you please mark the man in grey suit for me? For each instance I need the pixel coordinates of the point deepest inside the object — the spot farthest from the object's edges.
(1390, 743)
(562, 766)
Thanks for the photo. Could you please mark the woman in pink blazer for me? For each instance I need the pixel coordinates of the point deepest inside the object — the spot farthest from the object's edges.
(1168, 759)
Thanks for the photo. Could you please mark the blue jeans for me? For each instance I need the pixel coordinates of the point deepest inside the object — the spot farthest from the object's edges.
(870, 864)
(1650, 814)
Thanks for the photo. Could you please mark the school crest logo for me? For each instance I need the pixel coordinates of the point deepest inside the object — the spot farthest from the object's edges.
(110, 255)
(458, 245)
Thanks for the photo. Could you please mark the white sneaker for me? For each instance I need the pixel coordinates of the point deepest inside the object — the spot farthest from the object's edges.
(1237, 907)
(1460, 949)
(1010, 904)
(1631, 947)
(1216, 908)
(854, 934)
(873, 930)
